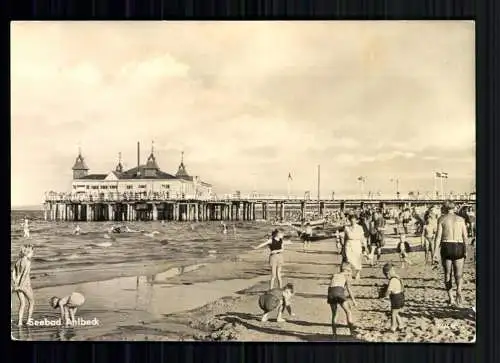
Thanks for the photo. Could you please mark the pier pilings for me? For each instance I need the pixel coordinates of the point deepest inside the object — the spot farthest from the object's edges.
(203, 210)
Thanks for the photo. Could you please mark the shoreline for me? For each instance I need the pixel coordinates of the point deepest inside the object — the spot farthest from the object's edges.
(216, 300)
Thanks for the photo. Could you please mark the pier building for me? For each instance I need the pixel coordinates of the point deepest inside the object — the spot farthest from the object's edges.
(145, 192)
(143, 181)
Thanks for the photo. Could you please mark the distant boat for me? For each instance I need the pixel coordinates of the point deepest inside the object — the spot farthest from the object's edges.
(315, 223)
(319, 236)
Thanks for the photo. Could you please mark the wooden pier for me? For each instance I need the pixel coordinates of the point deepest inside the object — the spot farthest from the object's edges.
(64, 208)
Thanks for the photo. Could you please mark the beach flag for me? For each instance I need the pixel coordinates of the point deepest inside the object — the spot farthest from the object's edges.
(290, 176)
(444, 175)
(361, 178)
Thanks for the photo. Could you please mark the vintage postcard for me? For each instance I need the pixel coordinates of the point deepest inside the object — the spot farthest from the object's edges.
(246, 181)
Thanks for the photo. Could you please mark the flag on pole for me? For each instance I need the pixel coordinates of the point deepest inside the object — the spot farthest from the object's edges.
(290, 176)
(438, 175)
(361, 178)
(444, 175)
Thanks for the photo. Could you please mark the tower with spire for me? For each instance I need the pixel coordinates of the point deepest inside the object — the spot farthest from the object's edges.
(181, 171)
(151, 167)
(119, 166)
(80, 168)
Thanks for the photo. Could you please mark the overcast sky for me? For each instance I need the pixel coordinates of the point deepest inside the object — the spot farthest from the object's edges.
(248, 102)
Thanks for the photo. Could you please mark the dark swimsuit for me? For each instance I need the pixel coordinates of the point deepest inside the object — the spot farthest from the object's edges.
(452, 250)
(336, 295)
(397, 300)
(276, 244)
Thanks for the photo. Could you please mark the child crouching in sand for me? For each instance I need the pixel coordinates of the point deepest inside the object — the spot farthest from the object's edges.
(404, 251)
(21, 282)
(339, 285)
(277, 299)
(395, 291)
(68, 306)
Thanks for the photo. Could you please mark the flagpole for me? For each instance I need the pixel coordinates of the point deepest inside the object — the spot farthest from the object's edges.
(288, 185)
(435, 184)
(319, 175)
(442, 189)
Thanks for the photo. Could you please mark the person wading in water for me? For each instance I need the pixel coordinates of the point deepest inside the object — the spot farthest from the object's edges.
(451, 237)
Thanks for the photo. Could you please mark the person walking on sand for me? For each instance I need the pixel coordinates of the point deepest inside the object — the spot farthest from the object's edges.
(353, 245)
(428, 235)
(275, 244)
(339, 285)
(21, 282)
(404, 250)
(451, 237)
(376, 230)
(395, 291)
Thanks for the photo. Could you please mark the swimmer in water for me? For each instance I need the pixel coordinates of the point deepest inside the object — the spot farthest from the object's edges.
(224, 227)
(451, 238)
(395, 291)
(339, 285)
(77, 231)
(68, 306)
(26, 228)
(21, 282)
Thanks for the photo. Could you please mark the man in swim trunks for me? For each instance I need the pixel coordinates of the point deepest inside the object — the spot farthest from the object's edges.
(451, 239)
(405, 217)
(306, 236)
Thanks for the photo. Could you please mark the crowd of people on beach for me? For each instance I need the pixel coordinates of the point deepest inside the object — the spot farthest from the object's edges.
(444, 233)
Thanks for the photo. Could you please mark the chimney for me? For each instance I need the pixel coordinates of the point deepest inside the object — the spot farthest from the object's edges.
(138, 157)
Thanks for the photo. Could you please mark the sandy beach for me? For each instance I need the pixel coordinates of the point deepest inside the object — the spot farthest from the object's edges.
(218, 301)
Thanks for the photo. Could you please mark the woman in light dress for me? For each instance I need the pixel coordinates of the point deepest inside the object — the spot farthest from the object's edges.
(353, 240)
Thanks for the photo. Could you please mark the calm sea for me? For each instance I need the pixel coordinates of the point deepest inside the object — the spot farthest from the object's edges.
(189, 243)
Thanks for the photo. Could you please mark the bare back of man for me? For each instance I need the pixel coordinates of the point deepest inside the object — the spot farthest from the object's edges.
(451, 238)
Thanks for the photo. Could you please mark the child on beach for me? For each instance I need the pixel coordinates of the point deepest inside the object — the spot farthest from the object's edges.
(68, 306)
(77, 230)
(21, 282)
(339, 285)
(26, 228)
(395, 291)
(277, 299)
(404, 250)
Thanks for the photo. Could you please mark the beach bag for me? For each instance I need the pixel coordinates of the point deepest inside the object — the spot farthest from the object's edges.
(268, 302)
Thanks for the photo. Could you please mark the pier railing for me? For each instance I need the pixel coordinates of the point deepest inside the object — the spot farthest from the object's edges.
(53, 197)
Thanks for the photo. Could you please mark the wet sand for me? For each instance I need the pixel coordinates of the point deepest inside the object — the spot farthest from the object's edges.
(218, 301)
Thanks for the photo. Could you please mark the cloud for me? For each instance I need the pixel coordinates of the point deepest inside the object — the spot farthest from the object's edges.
(247, 101)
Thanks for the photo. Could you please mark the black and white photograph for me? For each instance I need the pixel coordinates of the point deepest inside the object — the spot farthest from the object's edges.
(243, 181)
